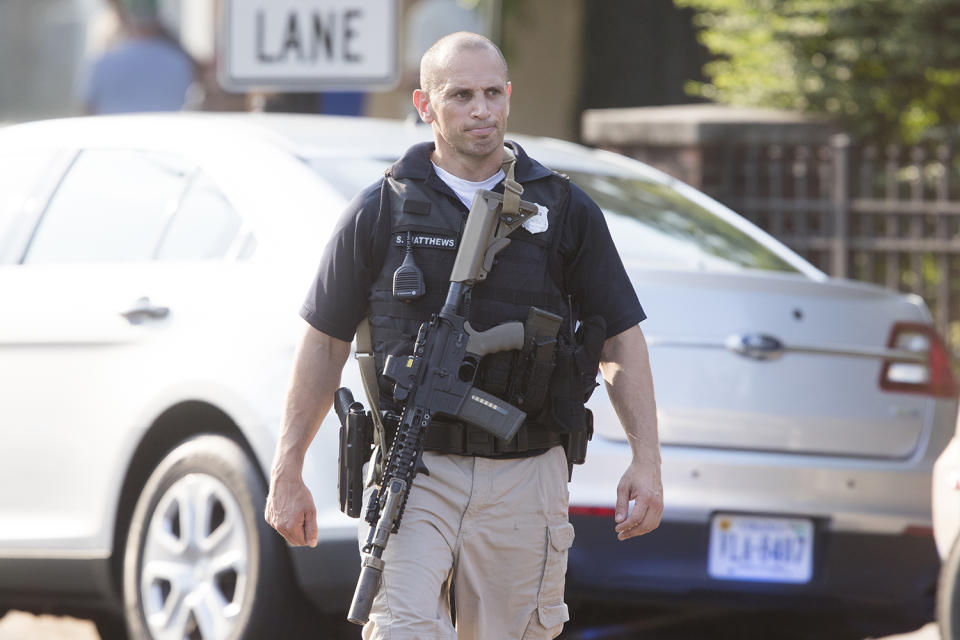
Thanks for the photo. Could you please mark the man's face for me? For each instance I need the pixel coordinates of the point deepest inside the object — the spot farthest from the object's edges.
(468, 108)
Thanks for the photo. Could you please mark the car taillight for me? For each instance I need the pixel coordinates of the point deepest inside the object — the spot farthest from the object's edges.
(928, 372)
(605, 512)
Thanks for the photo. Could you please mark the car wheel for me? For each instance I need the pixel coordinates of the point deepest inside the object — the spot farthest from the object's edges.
(109, 626)
(948, 595)
(200, 561)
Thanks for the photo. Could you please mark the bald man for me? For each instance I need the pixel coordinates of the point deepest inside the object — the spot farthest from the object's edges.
(490, 520)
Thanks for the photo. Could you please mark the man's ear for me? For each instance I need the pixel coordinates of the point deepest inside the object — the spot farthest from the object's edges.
(421, 102)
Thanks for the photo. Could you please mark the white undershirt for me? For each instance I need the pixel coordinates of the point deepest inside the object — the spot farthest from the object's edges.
(465, 189)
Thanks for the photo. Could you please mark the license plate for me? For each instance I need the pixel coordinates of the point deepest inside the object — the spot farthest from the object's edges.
(761, 549)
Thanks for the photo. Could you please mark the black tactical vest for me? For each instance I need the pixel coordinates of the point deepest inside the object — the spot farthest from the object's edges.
(527, 273)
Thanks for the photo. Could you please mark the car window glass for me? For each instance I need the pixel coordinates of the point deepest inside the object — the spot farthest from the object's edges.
(204, 226)
(652, 224)
(19, 175)
(349, 175)
(113, 205)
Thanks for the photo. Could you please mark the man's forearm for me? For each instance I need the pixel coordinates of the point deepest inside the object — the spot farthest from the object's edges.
(316, 376)
(625, 365)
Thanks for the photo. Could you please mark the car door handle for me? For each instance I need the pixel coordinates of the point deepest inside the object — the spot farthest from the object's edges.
(143, 310)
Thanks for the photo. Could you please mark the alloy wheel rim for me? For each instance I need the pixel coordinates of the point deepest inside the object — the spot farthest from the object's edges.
(194, 567)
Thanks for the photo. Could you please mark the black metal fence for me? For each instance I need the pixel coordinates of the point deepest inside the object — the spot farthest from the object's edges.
(886, 215)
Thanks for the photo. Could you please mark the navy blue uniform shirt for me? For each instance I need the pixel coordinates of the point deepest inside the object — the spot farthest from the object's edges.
(593, 271)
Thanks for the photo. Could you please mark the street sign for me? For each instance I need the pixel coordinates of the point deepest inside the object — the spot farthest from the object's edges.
(308, 45)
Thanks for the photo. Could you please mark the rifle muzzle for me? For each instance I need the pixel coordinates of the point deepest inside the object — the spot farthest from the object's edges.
(367, 587)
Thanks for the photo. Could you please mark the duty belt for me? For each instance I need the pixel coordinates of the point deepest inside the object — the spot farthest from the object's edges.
(467, 440)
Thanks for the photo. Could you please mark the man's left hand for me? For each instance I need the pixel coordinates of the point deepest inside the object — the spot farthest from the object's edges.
(641, 485)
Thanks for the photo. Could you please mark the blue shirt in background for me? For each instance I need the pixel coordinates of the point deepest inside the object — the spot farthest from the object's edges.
(139, 75)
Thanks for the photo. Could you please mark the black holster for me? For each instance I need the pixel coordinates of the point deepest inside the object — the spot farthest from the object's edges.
(575, 380)
(575, 376)
(576, 444)
(356, 441)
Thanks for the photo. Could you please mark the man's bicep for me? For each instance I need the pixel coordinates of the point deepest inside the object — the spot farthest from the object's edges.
(318, 364)
(627, 345)
(328, 349)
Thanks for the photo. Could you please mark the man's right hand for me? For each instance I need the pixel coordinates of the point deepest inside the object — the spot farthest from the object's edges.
(291, 511)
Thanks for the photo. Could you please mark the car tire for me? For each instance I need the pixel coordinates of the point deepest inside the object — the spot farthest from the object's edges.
(200, 560)
(948, 595)
(110, 626)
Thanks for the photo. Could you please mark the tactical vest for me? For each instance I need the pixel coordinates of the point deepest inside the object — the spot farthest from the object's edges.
(527, 273)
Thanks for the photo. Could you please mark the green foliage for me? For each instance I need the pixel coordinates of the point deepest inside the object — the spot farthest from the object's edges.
(887, 69)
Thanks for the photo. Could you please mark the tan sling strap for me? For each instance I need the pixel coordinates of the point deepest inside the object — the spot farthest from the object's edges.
(512, 190)
(367, 362)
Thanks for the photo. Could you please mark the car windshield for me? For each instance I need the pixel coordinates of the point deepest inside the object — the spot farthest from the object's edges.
(652, 224)
(349, 175)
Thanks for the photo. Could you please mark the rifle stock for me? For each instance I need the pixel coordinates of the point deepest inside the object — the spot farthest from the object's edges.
(485, 235)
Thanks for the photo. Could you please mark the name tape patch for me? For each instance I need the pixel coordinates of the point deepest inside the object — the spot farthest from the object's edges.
(426, 240)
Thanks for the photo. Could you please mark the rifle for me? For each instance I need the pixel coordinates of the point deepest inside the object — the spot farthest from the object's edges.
(437, 380)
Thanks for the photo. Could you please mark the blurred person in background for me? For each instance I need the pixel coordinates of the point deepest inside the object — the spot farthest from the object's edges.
(145, 69)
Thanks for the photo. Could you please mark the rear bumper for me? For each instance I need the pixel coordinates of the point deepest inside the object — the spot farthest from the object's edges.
(328, 573)
(669, 566)
(852, 571)
(946, 497)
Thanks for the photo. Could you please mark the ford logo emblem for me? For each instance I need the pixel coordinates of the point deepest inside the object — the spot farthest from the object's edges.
(757, 346)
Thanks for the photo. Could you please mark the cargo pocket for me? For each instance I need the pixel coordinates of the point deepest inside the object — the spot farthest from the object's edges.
(552, 617)
(551, 610)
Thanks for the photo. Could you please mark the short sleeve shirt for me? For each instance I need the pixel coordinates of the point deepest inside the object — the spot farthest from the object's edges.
(593, 272)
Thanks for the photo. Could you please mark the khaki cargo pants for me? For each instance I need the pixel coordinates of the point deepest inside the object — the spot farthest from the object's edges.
(494, 529)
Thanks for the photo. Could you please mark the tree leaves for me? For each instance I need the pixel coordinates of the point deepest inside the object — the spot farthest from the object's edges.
(886, 69)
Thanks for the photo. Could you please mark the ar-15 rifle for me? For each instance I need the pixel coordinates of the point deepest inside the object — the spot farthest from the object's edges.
(437, 380)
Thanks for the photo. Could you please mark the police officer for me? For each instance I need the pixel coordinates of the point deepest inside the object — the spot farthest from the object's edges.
(490, 520)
